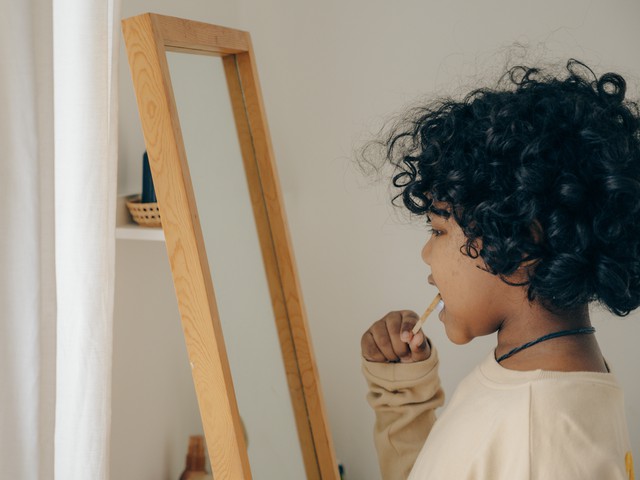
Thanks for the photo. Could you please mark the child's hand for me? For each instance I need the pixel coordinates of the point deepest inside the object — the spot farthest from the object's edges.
(390, 339)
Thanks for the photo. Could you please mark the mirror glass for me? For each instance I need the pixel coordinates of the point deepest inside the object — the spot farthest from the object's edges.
(237, 269)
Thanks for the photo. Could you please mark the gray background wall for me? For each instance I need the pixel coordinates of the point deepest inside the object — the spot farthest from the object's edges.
(331, 73)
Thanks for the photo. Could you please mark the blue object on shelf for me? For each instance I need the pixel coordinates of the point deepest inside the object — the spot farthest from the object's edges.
(148, 190)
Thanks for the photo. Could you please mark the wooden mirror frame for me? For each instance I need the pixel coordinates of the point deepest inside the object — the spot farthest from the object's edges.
(147, 38)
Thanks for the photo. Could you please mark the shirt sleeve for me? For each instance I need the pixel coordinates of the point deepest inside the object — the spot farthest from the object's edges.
(404, 397)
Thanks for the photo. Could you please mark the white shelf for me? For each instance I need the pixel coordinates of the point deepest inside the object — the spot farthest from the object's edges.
(136, 232)
(127, 229)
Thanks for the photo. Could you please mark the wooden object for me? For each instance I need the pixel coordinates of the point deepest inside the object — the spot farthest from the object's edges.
(148, 37)
(427, 312)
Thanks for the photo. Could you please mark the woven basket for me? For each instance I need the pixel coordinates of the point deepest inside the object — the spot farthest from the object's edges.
(144, 214)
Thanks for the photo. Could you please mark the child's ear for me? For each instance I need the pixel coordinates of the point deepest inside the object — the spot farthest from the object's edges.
(537, 237)
(537, 234)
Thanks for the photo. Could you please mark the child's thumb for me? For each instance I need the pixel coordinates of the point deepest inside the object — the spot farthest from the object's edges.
(418, 343)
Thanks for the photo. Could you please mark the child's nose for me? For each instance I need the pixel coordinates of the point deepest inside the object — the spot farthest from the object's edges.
(426, 252)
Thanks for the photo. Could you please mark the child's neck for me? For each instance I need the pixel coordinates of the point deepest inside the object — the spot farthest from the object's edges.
(568, 353)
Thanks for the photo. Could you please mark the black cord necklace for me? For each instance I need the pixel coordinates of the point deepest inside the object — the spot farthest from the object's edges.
(549, 336)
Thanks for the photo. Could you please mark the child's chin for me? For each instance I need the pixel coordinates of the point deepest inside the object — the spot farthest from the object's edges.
(457, 337)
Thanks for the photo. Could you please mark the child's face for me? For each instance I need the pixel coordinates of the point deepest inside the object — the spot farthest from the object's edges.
(475, 301)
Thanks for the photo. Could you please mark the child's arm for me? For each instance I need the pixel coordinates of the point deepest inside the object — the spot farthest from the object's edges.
(404, 395)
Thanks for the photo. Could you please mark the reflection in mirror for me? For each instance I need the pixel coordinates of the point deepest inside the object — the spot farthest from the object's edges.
(237, 269)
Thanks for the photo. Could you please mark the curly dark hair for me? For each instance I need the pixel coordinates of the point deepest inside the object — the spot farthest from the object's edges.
(544, 170)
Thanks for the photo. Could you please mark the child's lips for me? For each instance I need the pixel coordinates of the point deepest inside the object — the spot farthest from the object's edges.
(430, 280)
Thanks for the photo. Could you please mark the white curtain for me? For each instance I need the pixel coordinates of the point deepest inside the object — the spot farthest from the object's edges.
(58, 138)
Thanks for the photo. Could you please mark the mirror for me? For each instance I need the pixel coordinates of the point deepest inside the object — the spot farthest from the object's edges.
(229, 249)
(235, 261)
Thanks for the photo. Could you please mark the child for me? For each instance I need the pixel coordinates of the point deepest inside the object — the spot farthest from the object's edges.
(533, 196)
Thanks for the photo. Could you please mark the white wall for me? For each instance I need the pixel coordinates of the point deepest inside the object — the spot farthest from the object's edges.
(131, 143)
(154, 407)
(331, 73)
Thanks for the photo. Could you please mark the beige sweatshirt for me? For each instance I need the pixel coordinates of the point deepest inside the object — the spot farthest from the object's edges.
(500, 424)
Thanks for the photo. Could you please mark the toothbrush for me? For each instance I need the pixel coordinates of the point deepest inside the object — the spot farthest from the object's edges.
(436, 304)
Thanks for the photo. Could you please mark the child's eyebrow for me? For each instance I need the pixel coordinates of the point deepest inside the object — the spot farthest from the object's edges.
(439, 212)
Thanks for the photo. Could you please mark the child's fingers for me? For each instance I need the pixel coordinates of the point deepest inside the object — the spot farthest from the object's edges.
(419, 346)
(418, 341)
(383, 340)
(394, 323)
(409, 319)
(370, 350)
(391, 339)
